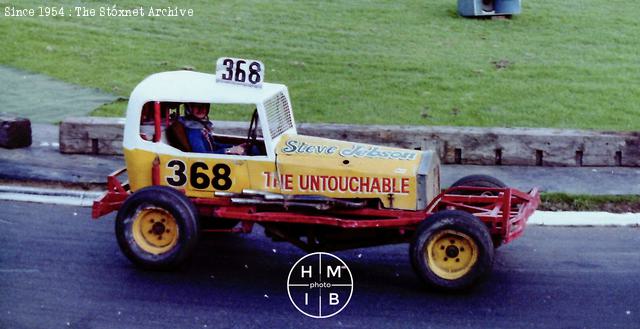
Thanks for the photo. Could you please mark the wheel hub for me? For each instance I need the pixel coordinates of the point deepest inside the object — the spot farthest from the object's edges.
(451, 254)
(452, 251)
(155, 230)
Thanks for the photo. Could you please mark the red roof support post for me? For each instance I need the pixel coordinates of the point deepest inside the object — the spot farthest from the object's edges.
(157, 122)
(155, 171)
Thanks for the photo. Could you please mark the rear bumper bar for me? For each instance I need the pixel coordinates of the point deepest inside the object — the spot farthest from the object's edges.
(111, 200)
(505, 211)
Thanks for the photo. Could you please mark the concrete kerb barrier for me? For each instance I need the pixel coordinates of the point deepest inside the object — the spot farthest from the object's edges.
(91, 135)
(455, 145)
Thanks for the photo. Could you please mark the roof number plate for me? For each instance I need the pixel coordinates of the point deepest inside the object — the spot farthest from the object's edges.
(246, 72)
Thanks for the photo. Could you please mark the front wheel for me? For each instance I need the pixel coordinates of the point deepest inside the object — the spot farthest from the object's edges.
(451, 250)
(157, 228)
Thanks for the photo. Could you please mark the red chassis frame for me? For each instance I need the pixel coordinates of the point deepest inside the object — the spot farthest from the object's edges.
(505, 212)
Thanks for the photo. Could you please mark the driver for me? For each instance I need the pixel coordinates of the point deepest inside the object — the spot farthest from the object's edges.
(199, 131)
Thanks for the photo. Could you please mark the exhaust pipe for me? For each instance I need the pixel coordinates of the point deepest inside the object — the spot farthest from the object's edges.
(255, 197)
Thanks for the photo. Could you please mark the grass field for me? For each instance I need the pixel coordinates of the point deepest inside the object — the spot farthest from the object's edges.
(570, 63)
(581, 202)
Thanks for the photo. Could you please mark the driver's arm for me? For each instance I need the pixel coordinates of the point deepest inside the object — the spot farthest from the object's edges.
(238, 149)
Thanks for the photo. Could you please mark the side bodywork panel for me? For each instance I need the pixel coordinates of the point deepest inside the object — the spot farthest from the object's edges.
(400, 178)
(198, 176)
(293, 164)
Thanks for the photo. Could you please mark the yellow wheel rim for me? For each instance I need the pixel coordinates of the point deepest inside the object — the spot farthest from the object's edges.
(451, 254)
(155, 230)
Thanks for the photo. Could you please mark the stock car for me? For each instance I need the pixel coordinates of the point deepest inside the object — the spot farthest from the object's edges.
(318, 194)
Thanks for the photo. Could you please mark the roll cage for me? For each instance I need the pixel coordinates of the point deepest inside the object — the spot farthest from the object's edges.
(164, 90)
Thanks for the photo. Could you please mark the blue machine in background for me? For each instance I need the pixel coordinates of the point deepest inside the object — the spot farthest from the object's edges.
(472, 8)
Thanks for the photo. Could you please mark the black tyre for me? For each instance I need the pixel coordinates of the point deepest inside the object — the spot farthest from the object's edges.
(451, 250)
(157, 228)
(479, 181)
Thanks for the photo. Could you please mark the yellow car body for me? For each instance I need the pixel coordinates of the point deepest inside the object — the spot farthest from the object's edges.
(292, 164)
(304, 166)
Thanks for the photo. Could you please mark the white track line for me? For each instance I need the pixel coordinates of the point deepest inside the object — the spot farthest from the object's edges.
(47, 191)
(546, 218)
(60, 200)
(47, 195)
(583, 218)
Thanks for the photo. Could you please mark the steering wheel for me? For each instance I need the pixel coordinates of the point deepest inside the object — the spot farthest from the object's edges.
(252, 134)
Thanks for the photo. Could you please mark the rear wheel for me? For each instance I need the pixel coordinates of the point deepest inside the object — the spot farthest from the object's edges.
(157, 228)
(451, 250)
(479, 181)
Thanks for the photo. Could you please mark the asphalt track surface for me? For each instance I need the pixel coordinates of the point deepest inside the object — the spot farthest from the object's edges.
(60, 269)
